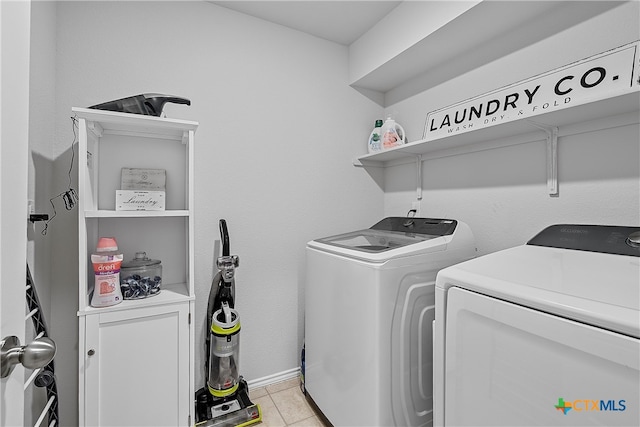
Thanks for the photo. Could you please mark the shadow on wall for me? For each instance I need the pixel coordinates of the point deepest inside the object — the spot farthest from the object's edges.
(512, 38)
(377, 174)
(202, 329)
(38, 258)
(602, 155)
(56, 267)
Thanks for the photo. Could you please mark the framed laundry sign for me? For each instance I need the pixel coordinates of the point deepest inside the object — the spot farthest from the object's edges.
(601, 76)
(141, 190)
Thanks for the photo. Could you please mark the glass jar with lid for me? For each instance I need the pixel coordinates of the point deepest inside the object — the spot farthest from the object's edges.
(140, 277)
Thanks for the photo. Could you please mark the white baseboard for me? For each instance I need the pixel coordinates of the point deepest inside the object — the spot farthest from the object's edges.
(274, 378)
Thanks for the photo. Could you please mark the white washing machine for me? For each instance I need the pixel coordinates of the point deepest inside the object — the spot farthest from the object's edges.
(368, 319)
(544, 334)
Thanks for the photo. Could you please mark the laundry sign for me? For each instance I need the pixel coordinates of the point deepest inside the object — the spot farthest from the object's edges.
(608, 74)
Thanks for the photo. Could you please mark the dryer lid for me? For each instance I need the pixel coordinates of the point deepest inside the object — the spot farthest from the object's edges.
(579, 272)
(392, 233)
(606, 239)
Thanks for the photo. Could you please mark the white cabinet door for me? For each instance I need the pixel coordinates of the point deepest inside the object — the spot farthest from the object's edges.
(136, 367)
(507, 365)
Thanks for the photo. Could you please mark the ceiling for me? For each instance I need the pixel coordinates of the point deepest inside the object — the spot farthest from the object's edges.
(342, 22)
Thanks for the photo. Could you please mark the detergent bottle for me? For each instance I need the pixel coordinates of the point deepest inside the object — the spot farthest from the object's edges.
(375, 139)
(106, 267)
(392, 134)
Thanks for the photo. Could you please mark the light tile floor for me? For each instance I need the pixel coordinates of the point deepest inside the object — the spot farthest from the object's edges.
(284, 404)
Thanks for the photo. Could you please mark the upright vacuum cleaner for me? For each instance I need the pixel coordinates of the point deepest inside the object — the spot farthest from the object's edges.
(224, 401)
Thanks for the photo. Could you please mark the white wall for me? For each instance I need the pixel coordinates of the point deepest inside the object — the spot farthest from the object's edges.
(279, 126)
(403, 27)
(502, 193)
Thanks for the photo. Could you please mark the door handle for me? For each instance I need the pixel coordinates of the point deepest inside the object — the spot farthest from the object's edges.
(36, 354)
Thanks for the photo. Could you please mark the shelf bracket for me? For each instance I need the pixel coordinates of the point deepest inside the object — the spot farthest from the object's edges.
(357, 163)
(419, 176)
(366, 164)
(552, 157)
(552, 162)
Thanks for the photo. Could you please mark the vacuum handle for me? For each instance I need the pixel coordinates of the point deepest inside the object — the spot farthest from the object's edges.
(227, 312)
(224, 235)
(175, 100)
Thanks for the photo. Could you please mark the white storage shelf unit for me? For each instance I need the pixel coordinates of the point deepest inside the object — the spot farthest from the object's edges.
(111, 141)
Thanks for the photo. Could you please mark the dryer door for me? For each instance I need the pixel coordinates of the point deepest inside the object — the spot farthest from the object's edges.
(507, 365)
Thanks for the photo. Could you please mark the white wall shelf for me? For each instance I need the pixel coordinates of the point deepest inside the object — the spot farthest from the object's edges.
(170, 294)
(505, 134)
(102, 122)
(601, 114)
(136, 214)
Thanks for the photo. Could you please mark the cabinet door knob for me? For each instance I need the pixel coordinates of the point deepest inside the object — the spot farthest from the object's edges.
(91, 352)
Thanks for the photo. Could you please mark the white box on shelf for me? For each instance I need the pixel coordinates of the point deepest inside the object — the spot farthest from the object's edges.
(142, 179)
(140, 200)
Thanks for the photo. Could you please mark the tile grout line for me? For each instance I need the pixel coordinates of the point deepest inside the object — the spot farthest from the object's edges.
(277, 409)
(276, 405)
(270, 394)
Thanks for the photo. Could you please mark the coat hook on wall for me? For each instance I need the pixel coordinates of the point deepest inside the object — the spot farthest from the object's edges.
(38, 217)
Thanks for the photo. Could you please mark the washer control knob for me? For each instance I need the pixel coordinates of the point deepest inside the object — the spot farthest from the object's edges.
(634, 240)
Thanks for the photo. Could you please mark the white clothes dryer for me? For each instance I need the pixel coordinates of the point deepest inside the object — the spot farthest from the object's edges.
(544, 334)
(369, 307)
